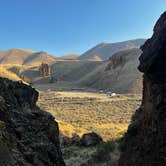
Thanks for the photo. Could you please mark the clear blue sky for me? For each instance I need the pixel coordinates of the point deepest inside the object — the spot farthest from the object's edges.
(73, 26)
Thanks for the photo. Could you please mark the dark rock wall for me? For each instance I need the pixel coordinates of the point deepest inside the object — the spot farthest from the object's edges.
(145, 141)
(28, 135)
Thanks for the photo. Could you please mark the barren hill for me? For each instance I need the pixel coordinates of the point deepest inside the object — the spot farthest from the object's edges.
(25, 57)
(69, 57)
(106, 50)
(118, 74)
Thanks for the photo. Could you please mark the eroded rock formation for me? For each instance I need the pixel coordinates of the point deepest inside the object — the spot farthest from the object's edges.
(44, 70)
(145, 141)
(28, 135)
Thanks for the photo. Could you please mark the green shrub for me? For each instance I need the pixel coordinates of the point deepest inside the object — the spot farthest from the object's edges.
(104, 149)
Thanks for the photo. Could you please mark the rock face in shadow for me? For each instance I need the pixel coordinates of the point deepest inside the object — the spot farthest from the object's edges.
(145, 141)
(28, 135)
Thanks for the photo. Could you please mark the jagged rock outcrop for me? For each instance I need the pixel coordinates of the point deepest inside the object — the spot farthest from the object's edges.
(44, 70)
(28, 135)
(145, 141)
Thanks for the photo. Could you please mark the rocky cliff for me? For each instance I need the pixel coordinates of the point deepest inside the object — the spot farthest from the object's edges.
(44, 69)
(145, 141)
(28, 135)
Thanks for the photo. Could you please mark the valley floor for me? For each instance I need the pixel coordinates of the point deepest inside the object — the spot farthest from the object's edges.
(64, 86)
(80, 112)
(83, 112)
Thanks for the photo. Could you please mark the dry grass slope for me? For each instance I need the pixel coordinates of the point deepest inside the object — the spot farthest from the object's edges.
(84, 112)
(7, 74)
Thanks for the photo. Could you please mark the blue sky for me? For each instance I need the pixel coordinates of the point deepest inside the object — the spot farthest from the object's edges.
(73, 26)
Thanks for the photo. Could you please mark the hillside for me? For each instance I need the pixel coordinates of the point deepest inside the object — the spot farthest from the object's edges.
(8, 74)
(74, 70)
(69, 57)
(25, 57)
(119, 74)
(106, 50)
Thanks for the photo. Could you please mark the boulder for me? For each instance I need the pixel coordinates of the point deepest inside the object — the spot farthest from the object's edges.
(91, 139)
(28, 135)
(145, 141)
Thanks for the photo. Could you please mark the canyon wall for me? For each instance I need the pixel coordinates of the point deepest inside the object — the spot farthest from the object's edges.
(145, 141)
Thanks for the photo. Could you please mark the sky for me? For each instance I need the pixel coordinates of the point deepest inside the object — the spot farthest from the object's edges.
(73, 26)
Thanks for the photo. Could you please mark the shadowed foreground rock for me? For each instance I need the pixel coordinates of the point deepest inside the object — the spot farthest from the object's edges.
(145, 141)
(28, 136)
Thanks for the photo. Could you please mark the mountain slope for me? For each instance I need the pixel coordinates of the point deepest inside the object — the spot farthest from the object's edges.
(106, 50)
(69, 57)
(39, 57)
(72, 71)
(4, 73)
(25, 57)
(14, 56)
(119, 74)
